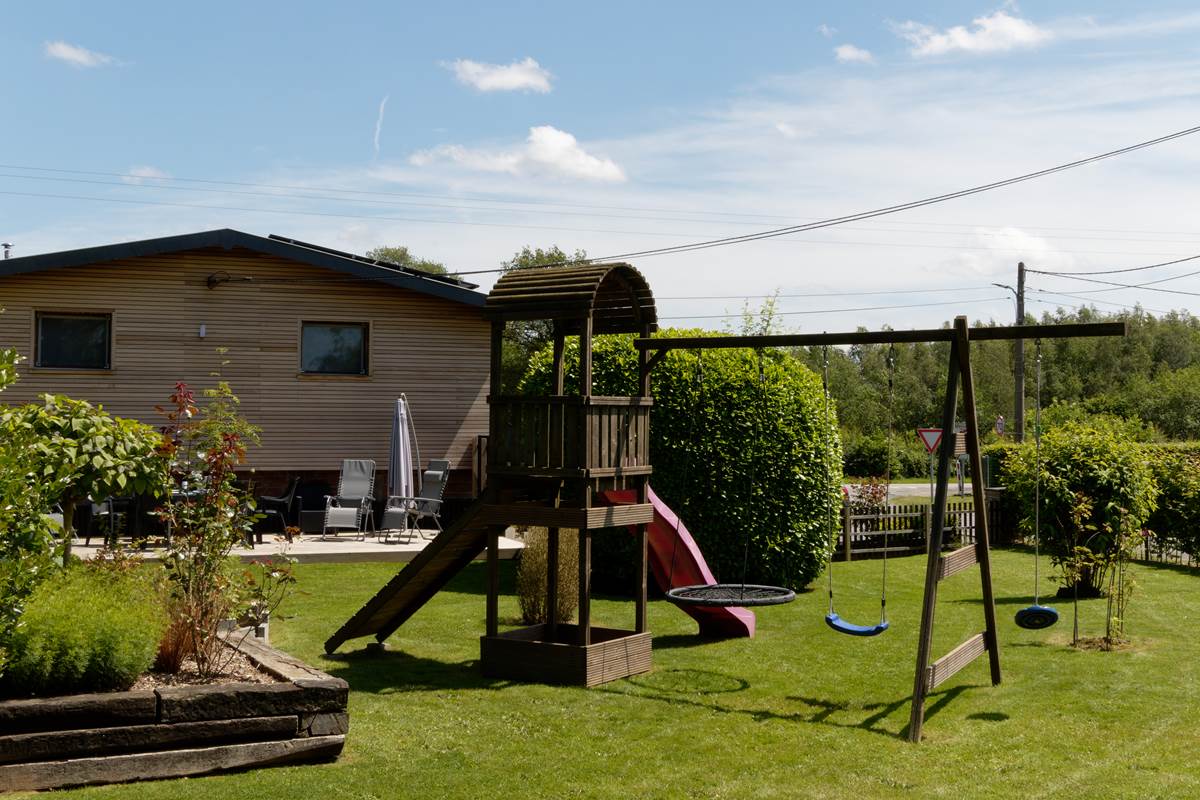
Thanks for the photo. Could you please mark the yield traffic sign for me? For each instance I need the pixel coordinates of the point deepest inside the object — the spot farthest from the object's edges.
(930, 437)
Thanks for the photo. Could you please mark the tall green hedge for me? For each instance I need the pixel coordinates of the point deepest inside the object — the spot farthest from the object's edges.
(752, 467)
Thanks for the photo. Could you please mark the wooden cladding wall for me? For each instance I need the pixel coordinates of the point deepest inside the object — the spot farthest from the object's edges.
(433, 350)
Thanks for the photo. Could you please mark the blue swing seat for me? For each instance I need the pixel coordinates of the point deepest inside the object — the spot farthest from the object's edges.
(841, 626)
(1036, 617)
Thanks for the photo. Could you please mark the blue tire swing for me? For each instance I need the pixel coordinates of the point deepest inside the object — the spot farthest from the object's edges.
(832, 619)
(1037, 616)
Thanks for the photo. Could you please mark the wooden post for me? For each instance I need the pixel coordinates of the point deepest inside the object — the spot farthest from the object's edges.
(982, 549)
(551, 582)
(497, 357)
(585, 587)
(925, 642)
(846, 527)
(493, 580)
(585, 358)
(928, 514)
(644, 368)
(558, 371)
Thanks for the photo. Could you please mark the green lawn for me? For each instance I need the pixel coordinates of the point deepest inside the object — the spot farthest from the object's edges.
(797, 712)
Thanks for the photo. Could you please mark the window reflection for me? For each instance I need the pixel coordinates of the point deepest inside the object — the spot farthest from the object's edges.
(333, 348)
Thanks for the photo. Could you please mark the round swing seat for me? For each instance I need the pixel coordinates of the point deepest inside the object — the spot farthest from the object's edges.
(1036, 617)
(842, 626)
(730, 595)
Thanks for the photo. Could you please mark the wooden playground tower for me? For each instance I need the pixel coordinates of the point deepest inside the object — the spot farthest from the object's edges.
(552, 457)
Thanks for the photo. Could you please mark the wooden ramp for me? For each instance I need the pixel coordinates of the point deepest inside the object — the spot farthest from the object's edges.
(421, 579)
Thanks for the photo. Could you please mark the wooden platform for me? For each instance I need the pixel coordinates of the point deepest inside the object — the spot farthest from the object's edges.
(534, 654)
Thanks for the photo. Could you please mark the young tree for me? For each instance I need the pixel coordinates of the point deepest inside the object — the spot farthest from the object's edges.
(85, 452)
(400, 256)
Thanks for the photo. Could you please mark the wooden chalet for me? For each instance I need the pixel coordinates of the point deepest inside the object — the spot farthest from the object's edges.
(318, 344)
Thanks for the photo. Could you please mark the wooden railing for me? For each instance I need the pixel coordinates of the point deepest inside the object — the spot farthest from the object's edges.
(568, 436)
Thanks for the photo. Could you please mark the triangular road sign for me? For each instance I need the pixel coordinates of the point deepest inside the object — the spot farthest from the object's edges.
(930, 437)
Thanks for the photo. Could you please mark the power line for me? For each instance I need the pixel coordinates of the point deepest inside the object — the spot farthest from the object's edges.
(730, 240)
(142, 182)
(280, 193)
(826, 294)
(1115, 271)
(846, 310)
(492, 270)
(1091, 300)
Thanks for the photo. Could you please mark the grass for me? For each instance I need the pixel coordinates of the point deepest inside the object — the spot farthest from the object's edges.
(797, 712)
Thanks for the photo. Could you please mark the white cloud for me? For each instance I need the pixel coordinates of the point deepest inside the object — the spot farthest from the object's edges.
(547, 151)
(826, 31)
(136, 176)
(379, 123)
(996, 33)
(77, 56)
(527, 75)
(787, 130)
(849, 54)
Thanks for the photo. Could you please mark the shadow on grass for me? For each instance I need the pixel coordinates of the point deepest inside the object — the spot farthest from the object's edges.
(693, 681)
(396, 672)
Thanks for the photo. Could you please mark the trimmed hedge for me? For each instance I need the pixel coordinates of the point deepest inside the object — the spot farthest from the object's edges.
(752, 467)
(86, 630)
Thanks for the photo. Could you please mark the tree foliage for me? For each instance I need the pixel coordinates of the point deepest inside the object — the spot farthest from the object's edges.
(85, 452)
(753, 465)
(401, 257)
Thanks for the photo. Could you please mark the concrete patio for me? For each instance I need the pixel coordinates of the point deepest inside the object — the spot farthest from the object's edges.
(310, 548)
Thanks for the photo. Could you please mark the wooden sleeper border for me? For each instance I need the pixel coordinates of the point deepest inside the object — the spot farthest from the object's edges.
(77, 740)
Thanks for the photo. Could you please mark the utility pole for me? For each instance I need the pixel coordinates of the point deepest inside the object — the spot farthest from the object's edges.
(1018, 427)
(1019, 361)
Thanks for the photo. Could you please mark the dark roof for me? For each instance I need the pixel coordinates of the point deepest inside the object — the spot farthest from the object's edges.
(615, 295)
(442, 286)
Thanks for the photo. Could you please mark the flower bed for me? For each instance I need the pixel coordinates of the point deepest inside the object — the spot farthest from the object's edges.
(169, 732)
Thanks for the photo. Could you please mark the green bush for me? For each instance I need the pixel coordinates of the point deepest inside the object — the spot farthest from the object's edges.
(1176, 521)
(86, 630)
(867, 456)
(1097, 491)
(753, 468)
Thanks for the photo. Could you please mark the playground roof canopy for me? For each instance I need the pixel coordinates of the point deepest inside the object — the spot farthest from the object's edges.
(615, 295)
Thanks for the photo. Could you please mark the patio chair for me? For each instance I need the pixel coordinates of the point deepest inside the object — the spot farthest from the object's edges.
(277, 511)
(406, 513)
(350, 508)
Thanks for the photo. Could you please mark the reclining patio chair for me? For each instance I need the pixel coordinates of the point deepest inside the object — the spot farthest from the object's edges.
(351, 508)
(406, 513)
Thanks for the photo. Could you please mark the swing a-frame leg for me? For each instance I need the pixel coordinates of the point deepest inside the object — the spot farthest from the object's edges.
(929, 674)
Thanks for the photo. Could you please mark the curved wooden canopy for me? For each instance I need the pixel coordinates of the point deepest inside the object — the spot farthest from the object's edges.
(616, 295)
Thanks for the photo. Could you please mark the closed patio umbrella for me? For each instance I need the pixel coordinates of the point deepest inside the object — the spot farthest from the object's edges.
(400, 459)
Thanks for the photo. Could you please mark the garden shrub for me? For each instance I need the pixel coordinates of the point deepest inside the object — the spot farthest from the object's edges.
(1175, 523)
(867, 456)
(752, 467)
(531, 576)
(86, 630)
(1097, 492)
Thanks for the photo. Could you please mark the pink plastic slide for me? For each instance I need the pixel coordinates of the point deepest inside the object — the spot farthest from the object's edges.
(676, 561)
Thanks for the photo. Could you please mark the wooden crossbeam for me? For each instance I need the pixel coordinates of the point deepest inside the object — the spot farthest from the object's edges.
(940, 671)
(953, 563)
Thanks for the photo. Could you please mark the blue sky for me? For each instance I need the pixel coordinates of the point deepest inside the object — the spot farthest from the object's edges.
(468, 131)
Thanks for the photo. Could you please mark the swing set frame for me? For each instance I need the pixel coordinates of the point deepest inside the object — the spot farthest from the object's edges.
(928, 674)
